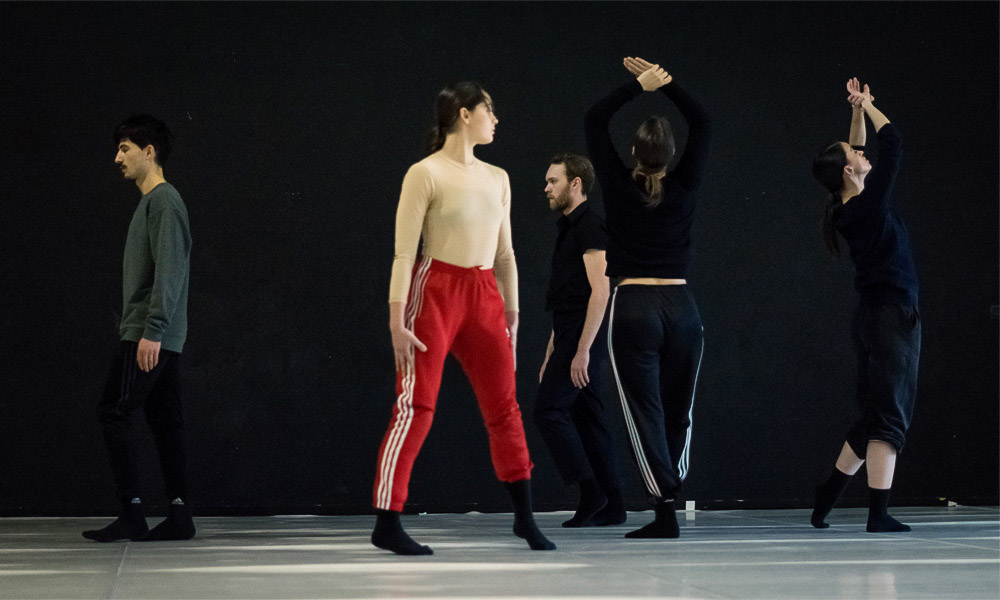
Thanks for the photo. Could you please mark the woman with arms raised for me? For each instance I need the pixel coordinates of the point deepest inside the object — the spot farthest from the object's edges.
(654, 328)
(886, 328)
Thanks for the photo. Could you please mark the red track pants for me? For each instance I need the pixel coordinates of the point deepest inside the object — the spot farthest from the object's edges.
(454, 309)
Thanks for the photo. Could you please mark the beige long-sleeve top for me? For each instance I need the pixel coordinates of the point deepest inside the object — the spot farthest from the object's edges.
(463, 213)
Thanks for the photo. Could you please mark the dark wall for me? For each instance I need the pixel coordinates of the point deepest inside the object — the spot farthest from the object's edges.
(295, 124)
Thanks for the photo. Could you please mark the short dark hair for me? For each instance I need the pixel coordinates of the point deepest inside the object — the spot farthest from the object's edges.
(145, 130)
(576, 166)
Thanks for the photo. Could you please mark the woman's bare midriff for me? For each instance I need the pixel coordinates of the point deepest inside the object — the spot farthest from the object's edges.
(651, 281)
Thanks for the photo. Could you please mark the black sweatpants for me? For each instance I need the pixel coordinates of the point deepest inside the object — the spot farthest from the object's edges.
(159, 393)
(656, 341)
(575, 423)
(887, 344)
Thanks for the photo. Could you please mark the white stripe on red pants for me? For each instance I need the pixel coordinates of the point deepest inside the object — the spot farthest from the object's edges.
(458, 310)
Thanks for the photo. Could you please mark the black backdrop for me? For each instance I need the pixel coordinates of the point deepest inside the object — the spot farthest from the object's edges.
(295, 124)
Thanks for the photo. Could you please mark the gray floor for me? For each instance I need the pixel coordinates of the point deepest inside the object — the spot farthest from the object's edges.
(951, 553)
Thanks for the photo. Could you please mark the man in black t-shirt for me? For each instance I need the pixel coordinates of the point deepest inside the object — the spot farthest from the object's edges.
(569, 410)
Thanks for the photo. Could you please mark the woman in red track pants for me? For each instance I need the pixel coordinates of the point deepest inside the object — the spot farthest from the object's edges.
(458, 295)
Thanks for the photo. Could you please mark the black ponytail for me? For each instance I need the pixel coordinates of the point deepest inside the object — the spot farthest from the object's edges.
(828, 226)
(449, 102)
(435, 140)
(828, 169)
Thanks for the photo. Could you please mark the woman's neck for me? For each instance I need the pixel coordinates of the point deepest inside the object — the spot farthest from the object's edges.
(458, 148)
(852, 187)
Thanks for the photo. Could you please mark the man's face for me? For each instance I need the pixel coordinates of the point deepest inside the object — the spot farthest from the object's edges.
(557, 187)
(132, 160)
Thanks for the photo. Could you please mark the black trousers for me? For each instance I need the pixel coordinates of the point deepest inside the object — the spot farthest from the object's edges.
(887, 344)
(656, 341)
(575, 423)
(159, 393)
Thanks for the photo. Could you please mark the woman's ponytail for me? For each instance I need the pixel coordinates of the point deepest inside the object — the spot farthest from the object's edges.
(447, 106)
(828, 225)
(654, 148)
(652, 186)
(828, 169)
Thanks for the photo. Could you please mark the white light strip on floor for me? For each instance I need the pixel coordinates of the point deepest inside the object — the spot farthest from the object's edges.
(855, 540)
(825, 563)
(808, 526)
(36, 550)
(6, 572)
(520, 597)
(370, 567)
(365, 545)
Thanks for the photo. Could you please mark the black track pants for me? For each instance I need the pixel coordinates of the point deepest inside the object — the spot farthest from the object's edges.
(655, 338)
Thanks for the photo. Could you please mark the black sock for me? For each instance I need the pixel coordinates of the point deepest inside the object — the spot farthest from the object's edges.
(826, 496)
(592, 500)
(524, 520)
(179, 525)
(130, 525)
(879, 520)
(663, 526)
(389, 535)
(613, 512)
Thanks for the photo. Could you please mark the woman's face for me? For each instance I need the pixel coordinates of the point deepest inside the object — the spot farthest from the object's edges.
(856, 160)
(482, 122)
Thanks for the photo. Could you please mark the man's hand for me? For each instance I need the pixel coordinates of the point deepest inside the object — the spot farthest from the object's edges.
(148, 355)
(578, 369)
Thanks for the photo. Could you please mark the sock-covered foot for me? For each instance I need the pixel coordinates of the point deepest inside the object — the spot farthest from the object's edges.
(130, 525)
(663, 526)
(827, 495)
(528, 530)
(524, 519)
(885, 524)
(613, 512)
(592, 500)
(179, 524)
(879, 520)
(389, 535)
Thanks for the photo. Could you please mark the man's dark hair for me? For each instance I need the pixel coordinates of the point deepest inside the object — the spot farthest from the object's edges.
(145, 130)
(576, 166)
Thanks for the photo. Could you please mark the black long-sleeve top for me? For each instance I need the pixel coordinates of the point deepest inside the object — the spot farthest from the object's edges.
(879, 242)
(644, 241)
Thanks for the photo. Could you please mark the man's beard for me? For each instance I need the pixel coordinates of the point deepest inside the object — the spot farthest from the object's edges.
(561, 201)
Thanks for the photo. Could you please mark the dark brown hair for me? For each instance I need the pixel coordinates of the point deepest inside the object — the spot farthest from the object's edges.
(654, 147)
(828, 169)
(576, 166)
(450, 101)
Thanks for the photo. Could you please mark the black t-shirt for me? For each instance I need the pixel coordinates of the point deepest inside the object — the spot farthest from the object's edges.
(579, 231)
(879, 242)
(644, 241)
